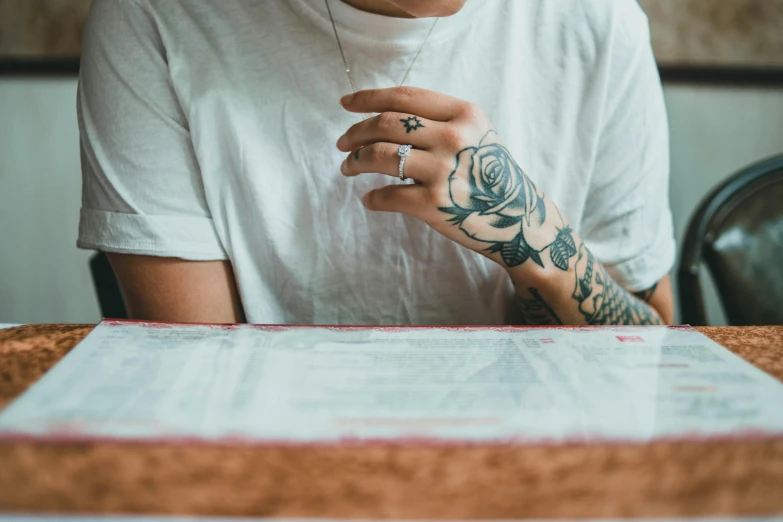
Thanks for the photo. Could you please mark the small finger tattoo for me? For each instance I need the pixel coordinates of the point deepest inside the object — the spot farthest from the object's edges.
(411, 124)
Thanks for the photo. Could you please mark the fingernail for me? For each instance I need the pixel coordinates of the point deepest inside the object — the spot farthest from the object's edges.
(341, 141)
(364, 199)
(344, 166)
(345, 100)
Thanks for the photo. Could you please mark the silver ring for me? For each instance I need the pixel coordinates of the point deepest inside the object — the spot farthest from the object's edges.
(403, 152)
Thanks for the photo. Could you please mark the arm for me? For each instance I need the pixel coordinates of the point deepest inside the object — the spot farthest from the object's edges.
(174, 290)
(606, 301)
(142, 191)
(469, 188)
(558, 279)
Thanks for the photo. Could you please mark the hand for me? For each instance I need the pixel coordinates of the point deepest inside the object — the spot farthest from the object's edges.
(466, 184)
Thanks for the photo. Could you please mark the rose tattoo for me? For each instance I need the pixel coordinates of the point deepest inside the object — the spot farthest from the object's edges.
(495, 202)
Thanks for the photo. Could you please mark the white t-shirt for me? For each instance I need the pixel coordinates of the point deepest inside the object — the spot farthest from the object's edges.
(209, 127)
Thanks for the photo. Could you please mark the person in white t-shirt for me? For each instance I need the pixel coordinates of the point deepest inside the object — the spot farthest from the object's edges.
(229, 179)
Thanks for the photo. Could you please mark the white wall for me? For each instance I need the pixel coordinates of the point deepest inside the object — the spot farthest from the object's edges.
(44, 278)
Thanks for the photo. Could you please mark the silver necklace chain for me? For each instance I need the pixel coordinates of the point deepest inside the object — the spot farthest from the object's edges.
(345, 62)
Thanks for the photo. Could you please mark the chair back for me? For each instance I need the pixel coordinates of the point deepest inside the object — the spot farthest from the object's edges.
(737, 233)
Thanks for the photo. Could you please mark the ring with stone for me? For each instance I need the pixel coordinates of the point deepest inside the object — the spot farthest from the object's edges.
(403, 152)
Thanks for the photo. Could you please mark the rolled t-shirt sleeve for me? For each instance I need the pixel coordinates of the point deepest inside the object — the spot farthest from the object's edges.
(142, 190)
(627, 222)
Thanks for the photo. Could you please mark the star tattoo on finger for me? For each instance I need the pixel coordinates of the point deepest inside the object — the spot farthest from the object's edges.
(411, 124)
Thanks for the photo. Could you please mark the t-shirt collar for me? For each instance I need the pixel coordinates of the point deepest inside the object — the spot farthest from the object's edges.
(355, 24)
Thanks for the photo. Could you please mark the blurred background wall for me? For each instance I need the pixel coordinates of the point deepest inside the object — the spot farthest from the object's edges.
(717, 127)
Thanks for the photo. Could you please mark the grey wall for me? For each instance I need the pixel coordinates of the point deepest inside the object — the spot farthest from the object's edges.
(44, 278)
(715, 132)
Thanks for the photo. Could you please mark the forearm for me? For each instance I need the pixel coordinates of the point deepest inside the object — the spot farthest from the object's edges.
(584, 293)
(559, 281)
(174, 290)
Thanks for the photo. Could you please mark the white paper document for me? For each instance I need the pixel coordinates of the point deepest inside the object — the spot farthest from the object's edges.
(342, 384)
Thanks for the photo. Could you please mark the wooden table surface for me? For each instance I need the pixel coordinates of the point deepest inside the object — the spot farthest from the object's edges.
(386, 481)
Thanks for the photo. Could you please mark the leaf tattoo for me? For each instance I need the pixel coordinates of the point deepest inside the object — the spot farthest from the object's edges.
(563, 249)
(516, 252)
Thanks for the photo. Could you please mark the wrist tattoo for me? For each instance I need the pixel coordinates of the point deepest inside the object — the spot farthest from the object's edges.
(599, 299)
(536, 311)
(602, 301)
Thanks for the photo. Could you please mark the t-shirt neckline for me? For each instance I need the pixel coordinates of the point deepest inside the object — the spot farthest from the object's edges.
(355, 24)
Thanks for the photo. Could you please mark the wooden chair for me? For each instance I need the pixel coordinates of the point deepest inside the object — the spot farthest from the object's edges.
(737, 232)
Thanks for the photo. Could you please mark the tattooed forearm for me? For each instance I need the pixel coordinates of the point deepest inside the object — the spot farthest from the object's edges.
(599, 299)
(494, 202)
(646, 295)
(602, 301)
(536, 311)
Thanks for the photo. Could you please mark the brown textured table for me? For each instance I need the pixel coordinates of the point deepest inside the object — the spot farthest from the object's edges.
(445, 482)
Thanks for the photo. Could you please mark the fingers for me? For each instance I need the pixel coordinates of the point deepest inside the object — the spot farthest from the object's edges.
(391, 127)
(382, 158)
(427, 104)
(405, 199)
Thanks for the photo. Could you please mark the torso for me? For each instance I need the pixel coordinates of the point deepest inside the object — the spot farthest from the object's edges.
(260, 84)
